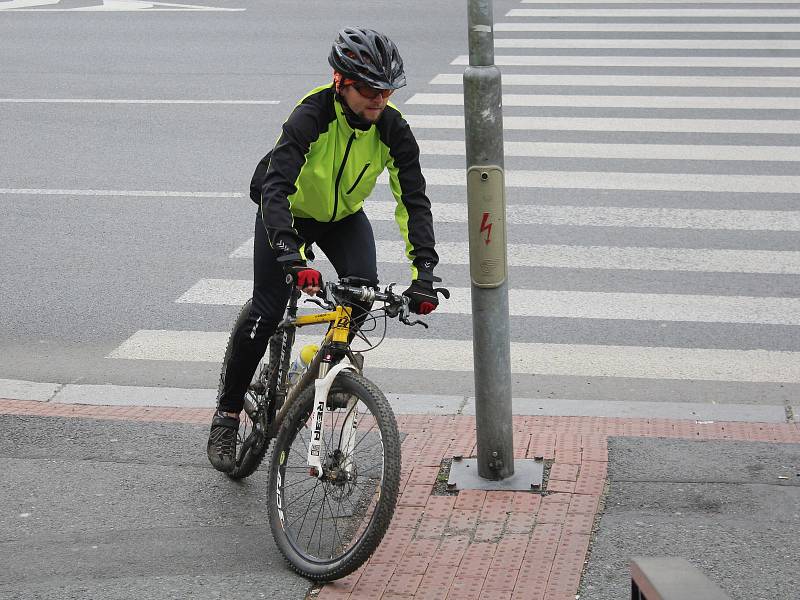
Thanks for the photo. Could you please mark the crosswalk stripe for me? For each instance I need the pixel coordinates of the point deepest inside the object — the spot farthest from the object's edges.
(587, 4)
(612, 216)
(624, 151)
(534, 60)
(131, 101)
(580, 360)
(659, 27)
(124, 193)
(604, 180)
(762, 12)
(632, 80)
(753, 126)
(784, 262)
(570, 304)
(588, 101)
(647, 44)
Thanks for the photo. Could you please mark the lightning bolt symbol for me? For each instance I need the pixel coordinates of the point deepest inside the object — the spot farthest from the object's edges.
(487, 227)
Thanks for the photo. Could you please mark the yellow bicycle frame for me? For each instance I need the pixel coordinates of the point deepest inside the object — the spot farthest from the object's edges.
(339, 319)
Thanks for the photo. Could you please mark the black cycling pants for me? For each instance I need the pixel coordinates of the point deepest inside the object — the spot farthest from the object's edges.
(350, 246)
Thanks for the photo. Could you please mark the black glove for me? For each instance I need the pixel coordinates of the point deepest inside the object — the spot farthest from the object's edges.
(423, 298)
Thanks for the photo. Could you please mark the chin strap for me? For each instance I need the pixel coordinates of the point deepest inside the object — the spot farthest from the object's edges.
(353, 119)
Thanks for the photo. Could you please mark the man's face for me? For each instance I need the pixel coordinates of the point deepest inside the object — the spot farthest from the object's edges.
(361, 102)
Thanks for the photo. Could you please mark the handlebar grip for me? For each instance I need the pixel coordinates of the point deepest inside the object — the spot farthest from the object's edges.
(443, 291)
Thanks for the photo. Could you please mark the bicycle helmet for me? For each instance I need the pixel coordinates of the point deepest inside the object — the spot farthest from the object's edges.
(368, 56)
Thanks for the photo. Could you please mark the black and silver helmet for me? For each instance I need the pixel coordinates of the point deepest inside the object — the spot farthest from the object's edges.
(368, 56)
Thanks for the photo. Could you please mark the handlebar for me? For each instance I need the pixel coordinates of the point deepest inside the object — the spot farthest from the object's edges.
(397, 305)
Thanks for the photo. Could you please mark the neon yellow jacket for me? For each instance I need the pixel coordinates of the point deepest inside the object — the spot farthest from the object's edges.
(322, 168)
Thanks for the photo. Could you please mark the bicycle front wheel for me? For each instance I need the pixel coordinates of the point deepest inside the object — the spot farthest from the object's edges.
(327, 527)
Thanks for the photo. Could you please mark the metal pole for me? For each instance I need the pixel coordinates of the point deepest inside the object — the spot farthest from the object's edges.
(487, 240)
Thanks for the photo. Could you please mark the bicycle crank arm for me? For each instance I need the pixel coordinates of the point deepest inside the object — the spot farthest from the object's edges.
(321, 389)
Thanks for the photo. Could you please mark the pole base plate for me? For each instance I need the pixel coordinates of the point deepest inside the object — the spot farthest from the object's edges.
(527, 476)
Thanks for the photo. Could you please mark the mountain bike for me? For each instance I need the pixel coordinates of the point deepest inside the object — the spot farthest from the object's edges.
(334, 473)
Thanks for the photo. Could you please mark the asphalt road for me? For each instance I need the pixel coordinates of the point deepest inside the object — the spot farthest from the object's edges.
(105, 509)
(731, 508)
(82, 273)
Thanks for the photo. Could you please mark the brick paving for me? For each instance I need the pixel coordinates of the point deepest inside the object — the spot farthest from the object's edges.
(499, 545)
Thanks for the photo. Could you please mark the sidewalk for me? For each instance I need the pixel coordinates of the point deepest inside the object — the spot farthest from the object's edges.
(498, 545)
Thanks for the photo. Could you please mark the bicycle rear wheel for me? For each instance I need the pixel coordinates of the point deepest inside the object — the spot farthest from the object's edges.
(251, 445)
(326, 528)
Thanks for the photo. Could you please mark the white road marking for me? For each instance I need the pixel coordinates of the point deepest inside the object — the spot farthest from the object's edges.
(659, 27)
(780, 262)
(691, 411)
(531, 214)
(613, 216)
(570, 304)
(655, 12)
(587, 4)
(627, 101)
(27, 390)
(159, 6)
(604, 180)
(647, 44)
(123, 395)
(618, 124)
(115, 395)
(557, 60)
(112, 5)
(128, 101)
(14, 4)
(624, 151)
(632, 80)
(577, 360)
(126, 193)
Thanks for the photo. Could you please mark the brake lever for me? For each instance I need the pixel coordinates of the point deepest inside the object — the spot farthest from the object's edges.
(443, 291)
(417, 322)
(322, 304)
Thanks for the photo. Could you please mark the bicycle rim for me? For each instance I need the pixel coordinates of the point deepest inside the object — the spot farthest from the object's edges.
(328, 527)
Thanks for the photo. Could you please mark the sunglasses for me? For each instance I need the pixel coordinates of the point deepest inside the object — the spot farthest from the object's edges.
(370, 93)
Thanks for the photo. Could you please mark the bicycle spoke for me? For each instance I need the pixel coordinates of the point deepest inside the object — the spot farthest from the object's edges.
(358, 443)
(322, 512)
(305, 513)
(313, 529)
(298, 482)
(336, 535)
(363, 471)
(300, 496)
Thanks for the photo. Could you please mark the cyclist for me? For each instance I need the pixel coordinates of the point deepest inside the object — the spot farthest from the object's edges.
(311, 188)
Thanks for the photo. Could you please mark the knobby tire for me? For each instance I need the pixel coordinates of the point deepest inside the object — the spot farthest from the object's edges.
(248, 463)
(366, 539)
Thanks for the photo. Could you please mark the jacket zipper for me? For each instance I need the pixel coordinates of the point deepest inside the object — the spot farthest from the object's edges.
(360, 175)
(339, 176)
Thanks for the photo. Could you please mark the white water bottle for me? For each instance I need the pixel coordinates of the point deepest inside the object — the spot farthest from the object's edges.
(301, 362)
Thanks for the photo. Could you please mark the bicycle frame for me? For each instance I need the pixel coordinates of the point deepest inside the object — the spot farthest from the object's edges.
(335, 347)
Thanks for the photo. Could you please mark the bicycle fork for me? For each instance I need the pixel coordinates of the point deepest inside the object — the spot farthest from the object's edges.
(322, 387)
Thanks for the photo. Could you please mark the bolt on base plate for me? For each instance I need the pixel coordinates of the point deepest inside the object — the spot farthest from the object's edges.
(527, 476)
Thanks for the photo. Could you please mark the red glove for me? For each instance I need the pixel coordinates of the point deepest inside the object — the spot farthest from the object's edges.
(303, 275)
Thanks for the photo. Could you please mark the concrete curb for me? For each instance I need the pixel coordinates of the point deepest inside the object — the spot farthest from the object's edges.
(420, 404)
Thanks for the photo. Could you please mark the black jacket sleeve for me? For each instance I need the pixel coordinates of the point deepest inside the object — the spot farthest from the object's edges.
(408, 185)
(288, 157)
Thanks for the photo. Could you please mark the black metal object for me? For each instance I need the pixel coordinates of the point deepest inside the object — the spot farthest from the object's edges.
(671, 579)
